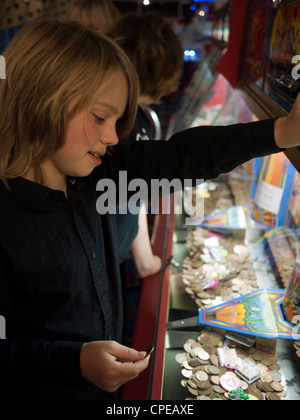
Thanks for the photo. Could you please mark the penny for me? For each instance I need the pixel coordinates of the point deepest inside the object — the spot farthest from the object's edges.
(192, 390)
(267, 361)
(205, 391)
(258, 357)
(195, 362)
(215, 380)
(214, 360)
(273, 397)
(267, 387)
(276, 367)
(203, 398)
(203, 385)
(192, 384)
(277, 386)
(218, 389)
(262, 368)
(266, 377)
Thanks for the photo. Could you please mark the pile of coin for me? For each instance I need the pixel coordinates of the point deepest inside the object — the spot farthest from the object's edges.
(228, 263)
(242, 191)
(283, 255)
(203, 376)
(217, 195)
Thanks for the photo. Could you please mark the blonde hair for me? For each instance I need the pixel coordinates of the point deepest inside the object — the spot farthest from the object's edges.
(50, 64)
(154, 49)
(100, 15)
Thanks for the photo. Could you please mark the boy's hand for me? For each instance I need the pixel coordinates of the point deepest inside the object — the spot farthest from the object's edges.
(287, 129)
(109, 365)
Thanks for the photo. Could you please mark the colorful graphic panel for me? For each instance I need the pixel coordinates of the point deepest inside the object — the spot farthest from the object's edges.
(273, 191)
(284, 45)
(258, 314)
(256, 43)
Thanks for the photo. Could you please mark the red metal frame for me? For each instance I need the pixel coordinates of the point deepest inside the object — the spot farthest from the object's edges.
(229, 65)
(152, 316)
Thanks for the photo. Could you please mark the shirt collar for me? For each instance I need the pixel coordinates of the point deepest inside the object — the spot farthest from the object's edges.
(34, 196)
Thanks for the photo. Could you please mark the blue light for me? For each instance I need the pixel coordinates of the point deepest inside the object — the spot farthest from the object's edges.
(193, 8)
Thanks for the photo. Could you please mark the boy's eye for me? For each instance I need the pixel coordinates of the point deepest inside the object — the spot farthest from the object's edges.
(98, 119)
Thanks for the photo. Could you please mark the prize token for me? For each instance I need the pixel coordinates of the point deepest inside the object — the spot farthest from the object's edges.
(230, 382)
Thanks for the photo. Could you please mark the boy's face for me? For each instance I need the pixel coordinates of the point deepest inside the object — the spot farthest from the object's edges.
(90, 134)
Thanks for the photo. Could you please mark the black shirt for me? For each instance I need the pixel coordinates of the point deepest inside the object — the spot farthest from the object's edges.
(59, 268)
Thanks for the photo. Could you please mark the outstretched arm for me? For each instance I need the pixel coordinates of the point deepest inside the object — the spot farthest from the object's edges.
(287, 129)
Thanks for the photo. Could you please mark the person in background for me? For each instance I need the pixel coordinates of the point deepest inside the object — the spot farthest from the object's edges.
(152, 46)
(100, 15)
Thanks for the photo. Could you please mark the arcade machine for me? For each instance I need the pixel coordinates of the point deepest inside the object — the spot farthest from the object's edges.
(232, 293)
(243, 301)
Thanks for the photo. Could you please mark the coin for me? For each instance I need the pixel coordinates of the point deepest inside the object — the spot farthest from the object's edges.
(266, 377)
(201, 376)
(271, 396)
(186, 365)
(276, 367)
(215, 380)
(267, 387)
(214, 370)
(192, 390)
(203, 355)
(258, 357)
(191, 384)
(203, 398)
(218, 389)
(186, 373)
(277, 386)
(203, 385)
(214, 360)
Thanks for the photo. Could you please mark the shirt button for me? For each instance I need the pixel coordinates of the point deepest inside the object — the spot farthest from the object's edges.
(103, 298)
(94, 254)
